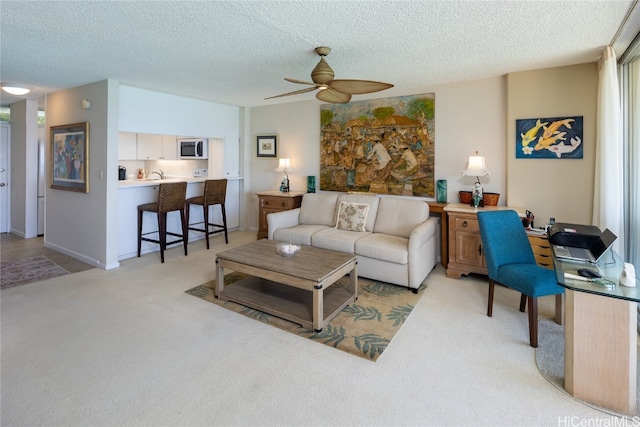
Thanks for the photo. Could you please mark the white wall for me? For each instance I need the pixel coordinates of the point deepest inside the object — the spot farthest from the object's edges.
(145, 111)
(81, 224)
(469, 116)
(24, 169)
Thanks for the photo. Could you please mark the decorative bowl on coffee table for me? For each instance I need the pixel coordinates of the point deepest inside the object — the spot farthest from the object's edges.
(287, 249)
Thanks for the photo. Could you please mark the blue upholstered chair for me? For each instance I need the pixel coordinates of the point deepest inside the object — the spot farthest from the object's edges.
(511, 262)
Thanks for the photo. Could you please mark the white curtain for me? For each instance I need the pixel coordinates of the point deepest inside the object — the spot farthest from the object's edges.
(633, 164)
(608, 200)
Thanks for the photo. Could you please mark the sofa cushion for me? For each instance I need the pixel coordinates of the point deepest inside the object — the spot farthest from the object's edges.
(368, 199)
(337, 240)
(352, 216)
(398, 217)
(300, 234)
(384, 247)
(318, 209)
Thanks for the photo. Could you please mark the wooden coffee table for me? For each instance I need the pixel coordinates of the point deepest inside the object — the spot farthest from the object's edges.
(296, 288)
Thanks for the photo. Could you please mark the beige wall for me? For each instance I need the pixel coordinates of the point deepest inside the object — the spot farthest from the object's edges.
(559, 188)
(470, 116)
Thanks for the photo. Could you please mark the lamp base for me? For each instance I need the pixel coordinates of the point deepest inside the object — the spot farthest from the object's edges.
(284, 186)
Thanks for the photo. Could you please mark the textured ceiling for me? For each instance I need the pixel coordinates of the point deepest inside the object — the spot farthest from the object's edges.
(238, 52)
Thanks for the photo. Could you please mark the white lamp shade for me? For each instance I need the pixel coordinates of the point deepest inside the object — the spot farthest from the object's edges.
(476, 167)
(284, 165)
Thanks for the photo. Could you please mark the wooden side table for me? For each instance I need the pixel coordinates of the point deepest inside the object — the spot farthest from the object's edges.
(465, 244)
(275, 201)
(438, 207)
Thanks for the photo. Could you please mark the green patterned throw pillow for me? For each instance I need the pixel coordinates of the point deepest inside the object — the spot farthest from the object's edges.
(352, 216)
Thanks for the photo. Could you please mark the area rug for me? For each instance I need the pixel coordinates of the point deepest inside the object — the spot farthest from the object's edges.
(550, 361)
(364, 329)
(27, 270)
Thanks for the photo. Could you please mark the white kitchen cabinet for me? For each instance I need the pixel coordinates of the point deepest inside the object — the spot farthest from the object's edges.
(231, 158)
(127, 147)
(169, 147)
(149, 146)
(157, 147)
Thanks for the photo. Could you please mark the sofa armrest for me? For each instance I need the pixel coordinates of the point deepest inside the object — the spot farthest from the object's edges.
(284, 219)
(421, 235)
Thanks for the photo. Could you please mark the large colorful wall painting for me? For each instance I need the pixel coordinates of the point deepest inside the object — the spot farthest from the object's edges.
(549, 138)
(383, 146)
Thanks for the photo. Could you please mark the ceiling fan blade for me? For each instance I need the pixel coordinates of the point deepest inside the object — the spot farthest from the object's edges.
(355, 87)
(302, 82)
(296, 92)
(333, 96)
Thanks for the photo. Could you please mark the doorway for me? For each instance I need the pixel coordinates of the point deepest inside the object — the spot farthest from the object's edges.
(5, 138)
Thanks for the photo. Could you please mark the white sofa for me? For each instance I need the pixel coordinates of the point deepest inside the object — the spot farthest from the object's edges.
(399, 243)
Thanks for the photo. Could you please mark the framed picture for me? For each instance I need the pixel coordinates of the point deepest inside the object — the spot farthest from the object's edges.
(70, 157)
(550, 138)
(267, 145)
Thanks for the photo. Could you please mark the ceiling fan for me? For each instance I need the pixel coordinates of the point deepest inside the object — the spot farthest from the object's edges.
(330, 90)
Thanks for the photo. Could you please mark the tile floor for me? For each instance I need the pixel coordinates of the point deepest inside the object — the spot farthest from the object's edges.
(13, 248)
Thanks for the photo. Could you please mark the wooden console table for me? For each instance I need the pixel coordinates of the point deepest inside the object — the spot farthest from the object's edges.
(465, 244)
(275, 201)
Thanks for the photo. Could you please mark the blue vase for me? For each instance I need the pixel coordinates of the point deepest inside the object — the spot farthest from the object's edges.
(441, 191)
(311, 184)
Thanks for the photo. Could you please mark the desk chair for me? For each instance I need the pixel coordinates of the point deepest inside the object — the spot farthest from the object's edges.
(511, 262)
(171, 197)
(215, 193)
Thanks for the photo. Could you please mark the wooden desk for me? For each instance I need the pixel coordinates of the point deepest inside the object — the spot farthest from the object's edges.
(601, 340)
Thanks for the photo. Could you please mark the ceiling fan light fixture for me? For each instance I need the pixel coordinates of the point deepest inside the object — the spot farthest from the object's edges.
(15, 90)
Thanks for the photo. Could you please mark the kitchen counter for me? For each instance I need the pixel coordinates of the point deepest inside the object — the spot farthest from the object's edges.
(134, 192)
(130, 183)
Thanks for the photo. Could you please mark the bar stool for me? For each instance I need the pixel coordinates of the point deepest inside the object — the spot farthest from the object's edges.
(215, 192)
(171, 197)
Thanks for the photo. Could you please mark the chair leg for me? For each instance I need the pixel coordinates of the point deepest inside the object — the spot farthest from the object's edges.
(162, 230)
(206, 224)
(523, 302)
(185, 230)
(492, 285)
(224, 223)
(533, 321)
(187, 209)
(140, 213)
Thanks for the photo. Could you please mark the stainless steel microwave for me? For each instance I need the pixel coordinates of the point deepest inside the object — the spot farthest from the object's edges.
(193, 148)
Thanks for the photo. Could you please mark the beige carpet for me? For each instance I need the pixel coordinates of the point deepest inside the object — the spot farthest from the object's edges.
(364, 329)
(550, 361)
(128, 347)
(19, 272)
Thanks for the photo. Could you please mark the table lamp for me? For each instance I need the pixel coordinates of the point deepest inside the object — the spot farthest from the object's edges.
(284, 165)
(476, 168)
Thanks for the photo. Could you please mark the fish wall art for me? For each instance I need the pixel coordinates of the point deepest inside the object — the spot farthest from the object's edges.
(549, 138)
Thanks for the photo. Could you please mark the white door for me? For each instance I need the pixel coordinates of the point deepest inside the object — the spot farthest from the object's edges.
(4, 177)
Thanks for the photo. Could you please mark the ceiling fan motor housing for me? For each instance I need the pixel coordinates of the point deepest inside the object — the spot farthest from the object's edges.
(322, 74)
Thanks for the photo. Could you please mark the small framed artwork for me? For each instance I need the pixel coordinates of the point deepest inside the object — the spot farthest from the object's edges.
(70, 157)
(267, 145)
(549, 138)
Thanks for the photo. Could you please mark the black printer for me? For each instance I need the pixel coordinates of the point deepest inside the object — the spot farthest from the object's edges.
(573, 235)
